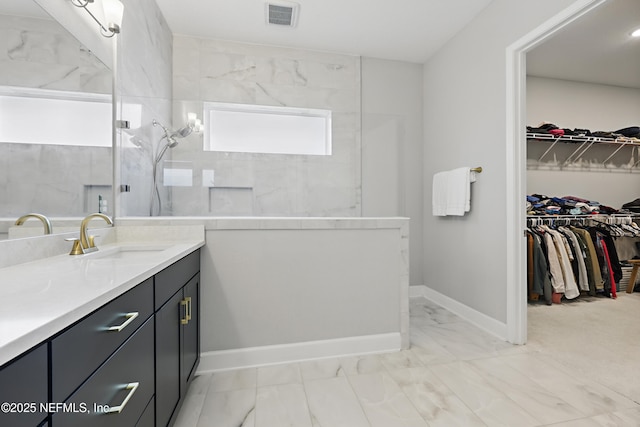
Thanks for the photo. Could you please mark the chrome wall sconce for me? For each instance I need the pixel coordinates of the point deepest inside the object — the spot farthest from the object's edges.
(112, 9)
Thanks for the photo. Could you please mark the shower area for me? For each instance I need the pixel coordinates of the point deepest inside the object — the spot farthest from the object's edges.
(167, 169)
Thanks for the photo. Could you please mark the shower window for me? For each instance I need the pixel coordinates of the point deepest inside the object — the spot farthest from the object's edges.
(267, 129)
(39, 116)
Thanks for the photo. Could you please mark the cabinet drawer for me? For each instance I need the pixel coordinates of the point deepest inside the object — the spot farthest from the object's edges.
(174, 277)
(80, 350)
(132, 363)
(25, 381)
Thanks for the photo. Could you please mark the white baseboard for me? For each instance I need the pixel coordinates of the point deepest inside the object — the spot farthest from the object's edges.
(479, 319)
(286, 353)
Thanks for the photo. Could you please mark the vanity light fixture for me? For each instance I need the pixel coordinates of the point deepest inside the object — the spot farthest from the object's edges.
(636, 33)
(112, 10)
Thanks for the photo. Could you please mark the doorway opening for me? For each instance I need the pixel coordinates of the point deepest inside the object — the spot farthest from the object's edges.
(516, 161)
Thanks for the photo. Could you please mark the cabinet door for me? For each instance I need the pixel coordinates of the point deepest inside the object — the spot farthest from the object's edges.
(148, 416)
(168, 358)
(190, 333)
(25, 382)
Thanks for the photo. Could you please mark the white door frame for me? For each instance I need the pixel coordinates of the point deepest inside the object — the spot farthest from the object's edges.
(516, 170)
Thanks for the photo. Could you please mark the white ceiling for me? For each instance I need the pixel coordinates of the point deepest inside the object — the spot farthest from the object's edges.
(597, 48)
(405, 30)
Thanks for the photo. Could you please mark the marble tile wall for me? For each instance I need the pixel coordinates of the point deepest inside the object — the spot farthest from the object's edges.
(40, 53)
(52, 179)
(279, 185)
(144, 94)
(205, 70)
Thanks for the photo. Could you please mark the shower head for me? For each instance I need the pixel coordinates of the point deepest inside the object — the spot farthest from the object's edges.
(183, 132)
(172, 135)
(171, 142)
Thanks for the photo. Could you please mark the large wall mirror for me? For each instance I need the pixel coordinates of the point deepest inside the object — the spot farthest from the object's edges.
(55, 119)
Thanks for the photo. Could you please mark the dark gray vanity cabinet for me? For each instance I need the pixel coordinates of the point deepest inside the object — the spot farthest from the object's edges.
(24, 387)
(177, 334)
(127, 364)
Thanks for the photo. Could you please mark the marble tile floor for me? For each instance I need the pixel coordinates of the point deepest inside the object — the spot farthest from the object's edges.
(579, 369)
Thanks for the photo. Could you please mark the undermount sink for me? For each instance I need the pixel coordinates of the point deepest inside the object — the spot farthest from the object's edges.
(127, 252)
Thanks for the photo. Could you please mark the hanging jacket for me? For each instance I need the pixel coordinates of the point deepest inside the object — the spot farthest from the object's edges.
(613, 255)
(579, 256)
(593, 266)
(570, 286)
(557, 279)
(541, 279)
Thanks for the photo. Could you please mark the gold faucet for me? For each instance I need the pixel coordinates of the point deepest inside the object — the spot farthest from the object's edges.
(44, 219)
(86, 244)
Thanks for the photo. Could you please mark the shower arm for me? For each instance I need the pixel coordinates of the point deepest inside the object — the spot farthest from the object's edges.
(166, 131)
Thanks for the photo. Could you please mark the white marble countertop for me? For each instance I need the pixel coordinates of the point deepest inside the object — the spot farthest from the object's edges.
(42, 297)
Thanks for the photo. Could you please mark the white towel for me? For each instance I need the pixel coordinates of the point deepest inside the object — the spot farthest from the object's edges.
(439, 196)
(452, 192)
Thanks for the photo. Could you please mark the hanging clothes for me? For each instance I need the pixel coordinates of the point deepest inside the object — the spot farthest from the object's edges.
(613, 253)
(593, 266)
(610, 270)
(531, 294)
(541, 280)
(608, 259)
(579, 257)
(562, 252)
(553, 259)
(568, 260)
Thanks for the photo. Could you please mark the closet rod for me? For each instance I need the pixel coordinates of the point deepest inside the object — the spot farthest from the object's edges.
(598, 215)
(610, 219)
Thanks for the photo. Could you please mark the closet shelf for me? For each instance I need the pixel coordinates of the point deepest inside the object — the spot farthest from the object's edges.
(583, 144)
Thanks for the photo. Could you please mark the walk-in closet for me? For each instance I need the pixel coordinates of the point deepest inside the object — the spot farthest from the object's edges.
(583, 159)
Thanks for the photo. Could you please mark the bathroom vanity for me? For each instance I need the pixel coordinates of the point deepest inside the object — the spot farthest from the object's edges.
(109, 338)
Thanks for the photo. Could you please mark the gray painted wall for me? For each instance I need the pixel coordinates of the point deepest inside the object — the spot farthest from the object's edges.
(268, 287)
(464, 125)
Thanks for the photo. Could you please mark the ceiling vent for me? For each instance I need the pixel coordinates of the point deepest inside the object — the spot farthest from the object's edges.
(282, 13)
